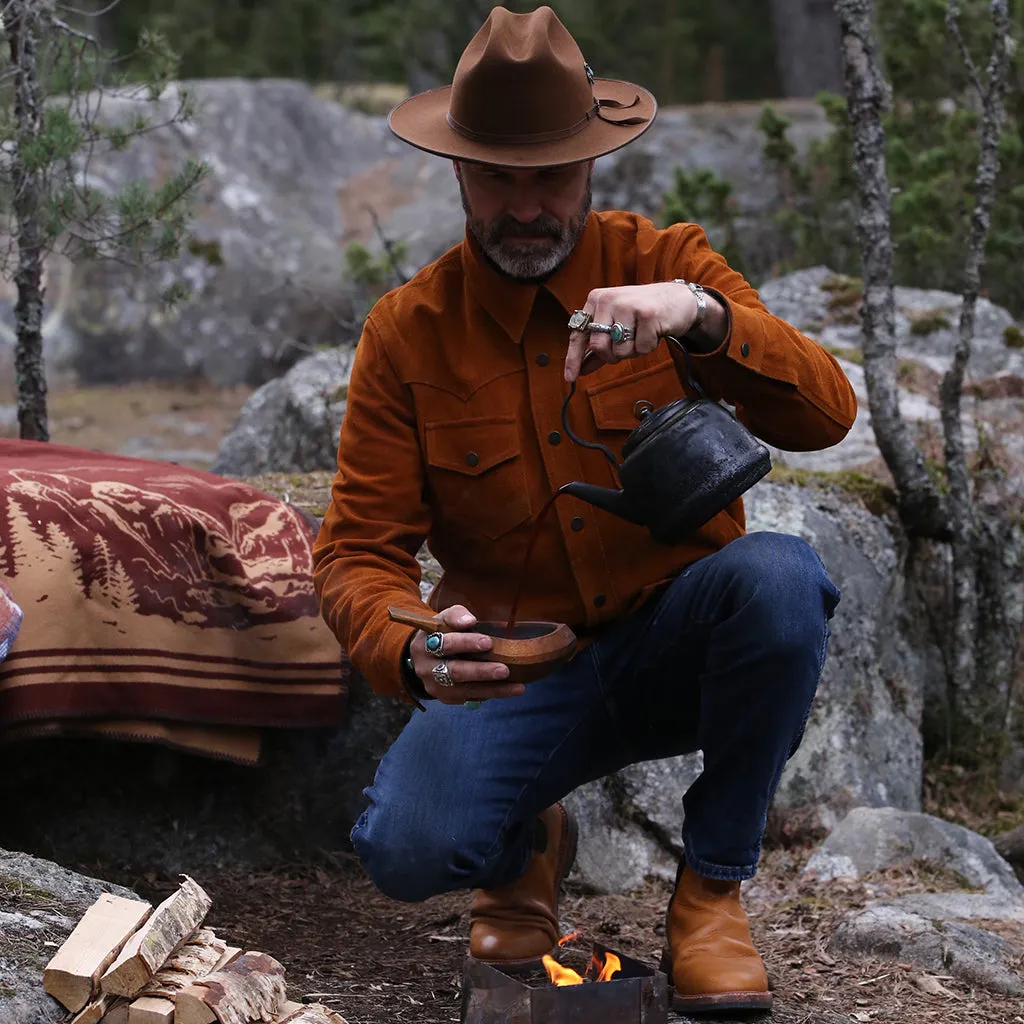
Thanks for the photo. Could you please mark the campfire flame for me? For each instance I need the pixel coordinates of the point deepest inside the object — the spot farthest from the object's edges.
(600, 968)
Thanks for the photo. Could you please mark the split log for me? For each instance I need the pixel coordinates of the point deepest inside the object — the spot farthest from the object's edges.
(102, 1008)
(199, 957)
(118, 1014)
(72, 977)
(170, 925)
(251, 988)
(313, 1013)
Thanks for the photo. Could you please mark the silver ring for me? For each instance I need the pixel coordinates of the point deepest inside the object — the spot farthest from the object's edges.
(441, 674)
(620, 333)
(579, 320)
(599, 328)
(435, 644)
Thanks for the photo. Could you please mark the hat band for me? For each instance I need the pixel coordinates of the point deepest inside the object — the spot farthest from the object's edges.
(504, 138)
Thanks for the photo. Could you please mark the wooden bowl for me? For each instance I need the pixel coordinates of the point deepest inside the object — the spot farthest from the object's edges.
(533, 650)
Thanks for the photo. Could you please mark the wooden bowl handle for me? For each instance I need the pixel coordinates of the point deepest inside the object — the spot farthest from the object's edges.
(414, 617)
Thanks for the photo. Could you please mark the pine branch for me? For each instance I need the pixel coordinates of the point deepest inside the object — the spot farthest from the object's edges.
(953, 27)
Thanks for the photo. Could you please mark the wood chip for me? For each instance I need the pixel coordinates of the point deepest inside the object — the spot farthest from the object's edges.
(313, 1013)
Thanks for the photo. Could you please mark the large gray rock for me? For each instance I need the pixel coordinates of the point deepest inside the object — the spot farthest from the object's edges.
(264, 253)
(862, 745)
(935, 941)
(870, 839)
(290, 424)
(819, 303)
(40, 904)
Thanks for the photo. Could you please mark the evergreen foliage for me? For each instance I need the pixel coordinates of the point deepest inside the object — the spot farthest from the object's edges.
(932, 153)
(665, 47)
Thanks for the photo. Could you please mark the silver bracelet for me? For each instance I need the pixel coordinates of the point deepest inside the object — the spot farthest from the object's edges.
(698, 294)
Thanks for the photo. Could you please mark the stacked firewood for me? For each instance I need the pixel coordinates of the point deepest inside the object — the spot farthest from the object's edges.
(128, 963)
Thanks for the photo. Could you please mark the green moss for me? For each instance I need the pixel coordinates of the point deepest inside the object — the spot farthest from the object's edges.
(842, 283)
(19, 889)
(341, 394)
(1013, 337)
(847, 352)
(845, 295)
(877, 497)
(929, 323)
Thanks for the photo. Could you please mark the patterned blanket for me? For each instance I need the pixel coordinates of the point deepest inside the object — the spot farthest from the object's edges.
(160, 604)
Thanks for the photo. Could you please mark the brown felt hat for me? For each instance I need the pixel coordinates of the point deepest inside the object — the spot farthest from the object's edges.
(523, 96)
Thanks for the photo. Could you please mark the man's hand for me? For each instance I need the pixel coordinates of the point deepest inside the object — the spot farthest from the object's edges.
(650, 311)
(472, 680)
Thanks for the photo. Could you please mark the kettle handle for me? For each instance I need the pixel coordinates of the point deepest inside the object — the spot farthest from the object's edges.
(607, 452)
(688, 363)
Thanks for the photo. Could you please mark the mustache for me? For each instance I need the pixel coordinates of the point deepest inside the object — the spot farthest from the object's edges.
(543, 226)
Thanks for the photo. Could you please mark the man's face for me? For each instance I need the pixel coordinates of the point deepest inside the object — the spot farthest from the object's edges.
(526, 221)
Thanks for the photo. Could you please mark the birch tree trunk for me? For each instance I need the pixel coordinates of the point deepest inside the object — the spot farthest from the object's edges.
(985, 542)
(21, 24)
(980, 699)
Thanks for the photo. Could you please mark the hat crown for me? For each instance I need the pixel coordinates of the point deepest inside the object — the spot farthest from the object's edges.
(522, 77)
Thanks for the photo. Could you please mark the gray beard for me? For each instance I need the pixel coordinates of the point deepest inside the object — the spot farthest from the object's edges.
(525, 262)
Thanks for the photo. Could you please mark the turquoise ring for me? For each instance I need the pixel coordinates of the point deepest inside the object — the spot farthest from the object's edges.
(619, 333)
(472, 705)
(435, 644)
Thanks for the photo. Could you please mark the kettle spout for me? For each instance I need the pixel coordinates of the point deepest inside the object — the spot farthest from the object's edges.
(606, 498)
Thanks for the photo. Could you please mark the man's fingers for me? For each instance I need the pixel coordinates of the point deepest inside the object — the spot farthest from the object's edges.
(574, 355)
(457, 616)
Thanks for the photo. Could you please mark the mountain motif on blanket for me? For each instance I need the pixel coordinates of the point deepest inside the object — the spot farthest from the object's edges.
(161, 552)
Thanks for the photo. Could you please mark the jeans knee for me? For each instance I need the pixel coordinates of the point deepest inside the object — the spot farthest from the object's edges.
(786, 576)
(401, 866)
(411, 857)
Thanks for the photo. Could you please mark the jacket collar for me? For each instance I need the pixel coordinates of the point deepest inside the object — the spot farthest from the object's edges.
(510, 303)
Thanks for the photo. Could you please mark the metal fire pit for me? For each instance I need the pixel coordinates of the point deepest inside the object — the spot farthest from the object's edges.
(637, 994)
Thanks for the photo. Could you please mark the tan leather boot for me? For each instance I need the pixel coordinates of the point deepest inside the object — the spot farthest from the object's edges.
(711, 961)
(514, 926)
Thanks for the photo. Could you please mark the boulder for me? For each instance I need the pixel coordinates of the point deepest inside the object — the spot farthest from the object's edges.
(40, 904)
(290, 423)
(873, 838)
(935, 940)
(264, 254)
(824, 306)
(862, 745)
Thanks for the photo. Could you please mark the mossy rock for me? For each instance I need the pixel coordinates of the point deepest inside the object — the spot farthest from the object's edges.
(876, 496)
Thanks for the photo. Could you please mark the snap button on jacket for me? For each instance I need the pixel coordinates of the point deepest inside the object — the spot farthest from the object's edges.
(456, 387)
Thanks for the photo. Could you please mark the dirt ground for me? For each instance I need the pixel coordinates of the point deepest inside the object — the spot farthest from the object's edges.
(374, 960)
(176, 421)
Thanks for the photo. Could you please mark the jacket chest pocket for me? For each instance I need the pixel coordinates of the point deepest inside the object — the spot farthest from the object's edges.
(475, 473)
(620, 404)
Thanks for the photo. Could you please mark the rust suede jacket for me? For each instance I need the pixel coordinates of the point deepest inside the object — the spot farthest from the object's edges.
(452, 434)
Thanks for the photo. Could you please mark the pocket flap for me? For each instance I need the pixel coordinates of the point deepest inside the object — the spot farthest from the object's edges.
(618, 404)
(472, 446)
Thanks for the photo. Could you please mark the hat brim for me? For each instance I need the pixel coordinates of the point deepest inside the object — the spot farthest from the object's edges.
(422, 121)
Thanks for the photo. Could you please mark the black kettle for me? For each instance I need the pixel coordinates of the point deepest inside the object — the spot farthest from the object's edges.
(681, 466)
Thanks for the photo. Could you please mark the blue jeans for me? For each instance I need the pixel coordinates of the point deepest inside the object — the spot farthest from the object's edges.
(726, 659)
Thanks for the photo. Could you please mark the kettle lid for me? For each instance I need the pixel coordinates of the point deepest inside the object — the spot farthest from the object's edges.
(653, 420)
